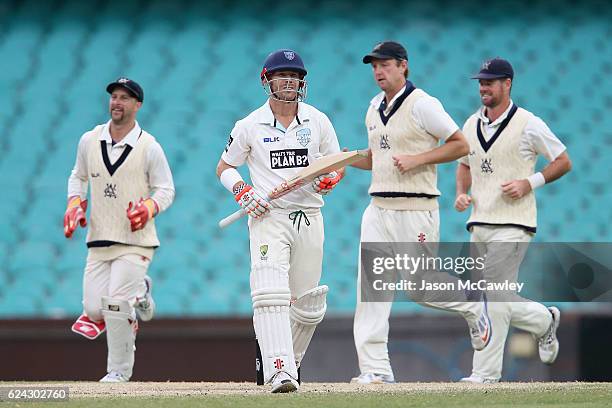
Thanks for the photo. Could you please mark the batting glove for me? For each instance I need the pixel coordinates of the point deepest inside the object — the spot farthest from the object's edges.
(140, 213)
(74, 215)
(326, 182)
(252, 202)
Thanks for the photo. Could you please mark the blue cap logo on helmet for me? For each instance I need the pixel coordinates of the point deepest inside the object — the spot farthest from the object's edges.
(289, 55)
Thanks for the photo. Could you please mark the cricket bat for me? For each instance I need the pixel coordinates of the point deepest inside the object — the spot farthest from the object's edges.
(322, 165)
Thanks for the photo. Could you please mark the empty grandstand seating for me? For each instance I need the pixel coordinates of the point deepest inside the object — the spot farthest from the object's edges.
(199, 65)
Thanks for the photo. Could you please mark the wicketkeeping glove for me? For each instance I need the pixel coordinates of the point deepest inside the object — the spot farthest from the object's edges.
(140, 213)
(74, 215)
(326, 182)
(252, 202)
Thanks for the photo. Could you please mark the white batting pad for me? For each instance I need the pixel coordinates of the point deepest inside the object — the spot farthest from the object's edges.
(121, 327)
(306, 313)
(271, 298)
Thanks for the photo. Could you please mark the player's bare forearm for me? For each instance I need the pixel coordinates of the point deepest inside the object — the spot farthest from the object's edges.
(463, 179)
(222, 166)
(455, 147)
(463, 184)
(557, 168)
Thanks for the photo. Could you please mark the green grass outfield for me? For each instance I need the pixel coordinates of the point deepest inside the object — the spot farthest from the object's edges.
(315, 395)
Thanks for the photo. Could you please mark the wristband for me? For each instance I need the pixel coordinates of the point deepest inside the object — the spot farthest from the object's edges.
(152, 206)
(74, 201)
(229, 178)
(536, 180)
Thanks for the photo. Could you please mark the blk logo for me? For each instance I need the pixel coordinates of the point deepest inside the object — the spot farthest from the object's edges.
(271, 139)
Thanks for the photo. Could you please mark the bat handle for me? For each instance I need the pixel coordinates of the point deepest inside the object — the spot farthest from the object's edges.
(231, 218)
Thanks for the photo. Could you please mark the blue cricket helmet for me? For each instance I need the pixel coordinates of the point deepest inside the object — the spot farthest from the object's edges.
(283, 60)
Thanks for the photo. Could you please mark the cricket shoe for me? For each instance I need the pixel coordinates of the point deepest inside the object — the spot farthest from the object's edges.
(372, 378)
(476, 379)
(114, 377)
(480, 330)
(283, 382)
(548, 344)
(145, 306)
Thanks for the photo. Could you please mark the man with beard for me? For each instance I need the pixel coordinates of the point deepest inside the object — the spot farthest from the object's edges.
(130, 183)
(409, 133)
(505, 141)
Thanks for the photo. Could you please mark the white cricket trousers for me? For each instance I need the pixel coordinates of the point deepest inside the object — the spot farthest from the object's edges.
(295, 244)
(525, 315)
(119, 278)
(371, 324)
(286, 261)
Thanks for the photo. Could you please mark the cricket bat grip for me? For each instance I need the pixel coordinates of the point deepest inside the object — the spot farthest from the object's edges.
(232, 218)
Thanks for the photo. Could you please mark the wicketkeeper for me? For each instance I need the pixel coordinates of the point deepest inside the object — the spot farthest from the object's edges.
(130, 184)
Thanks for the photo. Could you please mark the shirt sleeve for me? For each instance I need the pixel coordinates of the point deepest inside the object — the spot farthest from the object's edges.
(430, 115)
(160, 177)
(329, 140)
(237, 148)
(464, 159)
(78, 181)
(537, 139)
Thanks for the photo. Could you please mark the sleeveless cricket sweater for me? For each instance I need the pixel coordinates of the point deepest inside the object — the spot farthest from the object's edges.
(395, 134)
(494, 162)
(112, 187)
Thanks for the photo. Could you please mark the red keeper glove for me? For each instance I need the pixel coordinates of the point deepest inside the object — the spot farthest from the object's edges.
(326, 182)
(140, 213)
(74, 215)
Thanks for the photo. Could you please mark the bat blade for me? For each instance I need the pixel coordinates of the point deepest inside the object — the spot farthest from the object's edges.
(322, 165)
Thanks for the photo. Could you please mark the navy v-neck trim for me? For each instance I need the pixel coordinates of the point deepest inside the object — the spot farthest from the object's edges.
(487, 145)
(112, 168)
(398, 102)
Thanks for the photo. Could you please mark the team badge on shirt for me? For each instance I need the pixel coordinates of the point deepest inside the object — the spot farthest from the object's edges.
(110, 191)
(263, 250)
(384, 142)
(303, 136)
(486, 166)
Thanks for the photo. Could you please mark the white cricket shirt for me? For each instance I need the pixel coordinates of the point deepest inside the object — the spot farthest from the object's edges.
(274, 154)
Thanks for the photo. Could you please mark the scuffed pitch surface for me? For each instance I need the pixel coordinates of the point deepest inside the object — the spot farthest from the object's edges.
(184, 389)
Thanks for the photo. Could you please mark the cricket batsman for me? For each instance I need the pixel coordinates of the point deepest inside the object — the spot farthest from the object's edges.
(276, 141)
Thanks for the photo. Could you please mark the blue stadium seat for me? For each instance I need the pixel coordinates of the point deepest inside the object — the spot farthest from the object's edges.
(199, 64)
